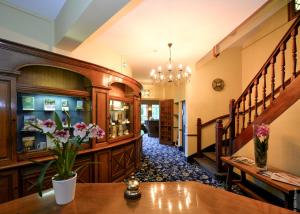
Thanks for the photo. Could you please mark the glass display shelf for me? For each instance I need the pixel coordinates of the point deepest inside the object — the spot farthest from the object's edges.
(120, 124)
(32, 107)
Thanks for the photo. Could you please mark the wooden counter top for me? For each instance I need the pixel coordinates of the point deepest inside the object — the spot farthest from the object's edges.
(171, 197)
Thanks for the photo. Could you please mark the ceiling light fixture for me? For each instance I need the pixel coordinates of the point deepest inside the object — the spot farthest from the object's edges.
(172, 73)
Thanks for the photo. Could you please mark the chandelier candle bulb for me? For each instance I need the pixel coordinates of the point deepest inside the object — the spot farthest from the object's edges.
(173, 73)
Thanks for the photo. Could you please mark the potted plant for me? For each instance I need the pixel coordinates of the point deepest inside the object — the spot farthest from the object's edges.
(67, 143)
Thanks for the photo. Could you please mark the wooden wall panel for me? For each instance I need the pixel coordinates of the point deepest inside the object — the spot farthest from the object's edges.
(117, 163)
(103, 166)
(8, 185)
(129, 152)
(138, 152)
(8, 119)
(100, 110)
(137, 116)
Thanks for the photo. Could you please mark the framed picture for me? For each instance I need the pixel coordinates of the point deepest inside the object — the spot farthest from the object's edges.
(65, 105)
(28, 103)
(29, 119)
(79, 105)
(49, 104)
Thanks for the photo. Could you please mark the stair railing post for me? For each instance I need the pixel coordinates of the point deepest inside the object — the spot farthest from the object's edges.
(199, 135)
(219, 143)
(232, 125)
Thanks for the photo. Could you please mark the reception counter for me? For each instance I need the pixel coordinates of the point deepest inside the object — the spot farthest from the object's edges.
(171, 197)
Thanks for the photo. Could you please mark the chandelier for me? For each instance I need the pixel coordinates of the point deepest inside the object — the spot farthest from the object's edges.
(171, 73)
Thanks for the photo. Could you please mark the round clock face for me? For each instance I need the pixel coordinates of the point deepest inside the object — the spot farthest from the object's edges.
(218, 84)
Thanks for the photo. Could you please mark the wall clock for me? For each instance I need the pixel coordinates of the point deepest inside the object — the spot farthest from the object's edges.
(218, 84)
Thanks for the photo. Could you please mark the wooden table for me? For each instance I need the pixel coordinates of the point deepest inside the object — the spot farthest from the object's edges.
(171, 197)
(286, 189)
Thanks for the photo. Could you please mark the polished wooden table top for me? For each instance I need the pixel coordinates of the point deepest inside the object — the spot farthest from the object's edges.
(171, 197)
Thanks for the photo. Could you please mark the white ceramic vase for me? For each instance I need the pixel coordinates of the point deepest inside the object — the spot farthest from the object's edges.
(64, 190)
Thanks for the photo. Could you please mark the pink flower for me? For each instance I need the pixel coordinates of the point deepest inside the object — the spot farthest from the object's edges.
(95, 131)
(262, 132)
(80, 129)
(62, 135)
(48, 126)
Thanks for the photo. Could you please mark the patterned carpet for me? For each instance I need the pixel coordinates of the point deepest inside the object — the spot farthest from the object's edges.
(167, 163)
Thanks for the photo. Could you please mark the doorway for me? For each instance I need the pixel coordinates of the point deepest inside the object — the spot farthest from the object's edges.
(150, 117)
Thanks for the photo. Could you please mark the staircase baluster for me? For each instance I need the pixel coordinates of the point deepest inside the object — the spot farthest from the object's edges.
(219, 138)
(255, 97)
(249, 104)
(282, 49)
(273, 60)
(243, 119)
(238, 118)
(294, 52)
(264, 88)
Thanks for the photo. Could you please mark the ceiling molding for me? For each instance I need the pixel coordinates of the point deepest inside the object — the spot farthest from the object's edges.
(25, 11)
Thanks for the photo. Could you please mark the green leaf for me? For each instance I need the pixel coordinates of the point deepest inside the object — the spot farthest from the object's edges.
(58, 122)
(68, 119)
(41, 177)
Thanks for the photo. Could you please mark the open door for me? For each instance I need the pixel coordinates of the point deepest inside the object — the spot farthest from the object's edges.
(166, 122)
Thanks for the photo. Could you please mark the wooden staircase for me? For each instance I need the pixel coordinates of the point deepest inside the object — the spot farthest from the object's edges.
(271, 92)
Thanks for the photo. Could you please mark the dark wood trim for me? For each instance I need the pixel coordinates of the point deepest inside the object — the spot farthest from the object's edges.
(100, 147)
(276, 51)
(286, 98)
(21, 48)
(292, 13)
(42, 89)
(190, 158)
(191, 135)
(212, 121)
(9, 72)
(199, 137)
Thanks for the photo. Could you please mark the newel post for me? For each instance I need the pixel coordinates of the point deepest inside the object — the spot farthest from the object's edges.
(199, 135)
(219, 139)
(232, 126)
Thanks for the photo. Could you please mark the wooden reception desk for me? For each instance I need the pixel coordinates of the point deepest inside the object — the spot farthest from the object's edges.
(172, 197)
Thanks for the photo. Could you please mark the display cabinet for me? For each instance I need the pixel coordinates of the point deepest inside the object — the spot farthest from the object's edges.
(34, 107)
(36, 83)
(120, 118)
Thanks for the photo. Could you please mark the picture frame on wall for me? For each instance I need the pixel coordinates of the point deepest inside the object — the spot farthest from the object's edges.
(28, 103)
(79, 105)
(65, 105)
(49, 104)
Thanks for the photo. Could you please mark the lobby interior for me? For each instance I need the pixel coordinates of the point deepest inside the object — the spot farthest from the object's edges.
(95, 60)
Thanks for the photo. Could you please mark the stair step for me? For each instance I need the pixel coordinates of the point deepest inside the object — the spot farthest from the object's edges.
(210, 155)
(210, 167)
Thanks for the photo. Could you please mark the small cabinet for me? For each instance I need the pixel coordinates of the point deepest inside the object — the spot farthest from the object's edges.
(8, 185)
(8, 119)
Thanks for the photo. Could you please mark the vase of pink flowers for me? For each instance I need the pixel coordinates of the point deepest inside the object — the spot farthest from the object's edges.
(261, 144)
(67, 141)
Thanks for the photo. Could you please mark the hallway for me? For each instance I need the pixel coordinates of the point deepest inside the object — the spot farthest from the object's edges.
(167, 163)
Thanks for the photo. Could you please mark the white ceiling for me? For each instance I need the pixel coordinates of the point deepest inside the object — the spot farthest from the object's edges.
(48, 9)
(193, 26)
(141, 30)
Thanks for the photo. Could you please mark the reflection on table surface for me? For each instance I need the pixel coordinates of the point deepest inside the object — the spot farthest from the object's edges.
(168, 197)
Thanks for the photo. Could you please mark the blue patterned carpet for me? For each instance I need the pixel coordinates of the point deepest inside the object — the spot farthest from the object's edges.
(167, 163)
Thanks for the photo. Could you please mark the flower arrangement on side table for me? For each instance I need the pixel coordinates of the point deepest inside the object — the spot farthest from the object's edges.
(261, 143)
(65, 150)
